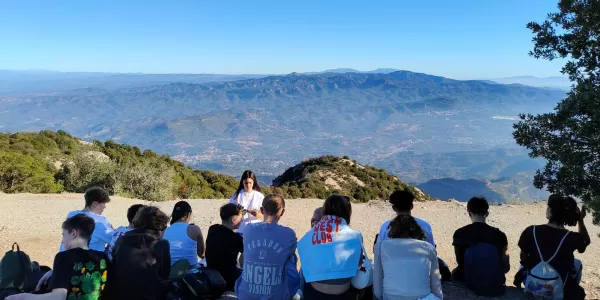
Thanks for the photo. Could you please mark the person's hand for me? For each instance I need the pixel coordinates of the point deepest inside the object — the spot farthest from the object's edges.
(252, 212)
(43, 280)
(583, 212)
(18, 297)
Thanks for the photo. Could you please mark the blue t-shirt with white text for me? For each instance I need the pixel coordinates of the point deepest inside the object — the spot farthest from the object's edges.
(269, 263)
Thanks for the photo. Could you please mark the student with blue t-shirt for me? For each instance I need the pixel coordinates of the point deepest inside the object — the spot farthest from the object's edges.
(331, 253)
(270, 263)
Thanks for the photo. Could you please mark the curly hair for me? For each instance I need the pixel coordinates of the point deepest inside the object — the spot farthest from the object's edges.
(404, 226)
(563, 210)
(151, 218)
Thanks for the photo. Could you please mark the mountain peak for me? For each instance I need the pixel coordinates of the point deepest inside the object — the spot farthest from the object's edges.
(327, 174)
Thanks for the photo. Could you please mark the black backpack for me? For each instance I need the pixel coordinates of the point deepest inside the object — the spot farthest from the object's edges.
(205, 284)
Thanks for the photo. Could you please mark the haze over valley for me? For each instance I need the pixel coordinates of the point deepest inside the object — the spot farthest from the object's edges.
(450, 137)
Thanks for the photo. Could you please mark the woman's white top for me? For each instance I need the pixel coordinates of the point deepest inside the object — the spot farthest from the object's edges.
(182, 246)
(252, 200)
(406, 269)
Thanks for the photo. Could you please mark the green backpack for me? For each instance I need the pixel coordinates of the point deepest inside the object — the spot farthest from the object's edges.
(15, 267)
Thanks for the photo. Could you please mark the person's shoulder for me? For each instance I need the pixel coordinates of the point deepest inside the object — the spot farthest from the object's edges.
(423, 223)
(385, 225)
(73, 213)
(460, 232)
(287, 230)
(258, 195)
(214, 227)
(529, 229)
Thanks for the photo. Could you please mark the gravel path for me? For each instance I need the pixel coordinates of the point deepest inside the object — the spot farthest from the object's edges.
(34, 222)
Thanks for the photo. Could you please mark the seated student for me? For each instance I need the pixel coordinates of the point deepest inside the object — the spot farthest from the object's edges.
(488, 258)
(331, 253)
(270, 263)
(141, 259)
(186, 239)
(248, 195)
(223, 245)
(406, 266)
(554, 244)
(96, 199)
(122, 230)
(402, 203)
(79, 272)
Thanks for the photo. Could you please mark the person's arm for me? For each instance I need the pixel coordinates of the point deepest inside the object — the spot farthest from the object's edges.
(56, 294)
(163, 250)
(291, 269)
(240, 248)
(104, 232)
(459, 252)
(378, 273)
(506, 260)
(435, 279)
(583, 230)
(505, 254)
(256, 213)
(195, 233)
(255, 205)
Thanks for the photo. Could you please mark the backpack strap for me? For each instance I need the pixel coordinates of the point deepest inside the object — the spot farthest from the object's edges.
(537, 246)
(559, 245)
(557, 249)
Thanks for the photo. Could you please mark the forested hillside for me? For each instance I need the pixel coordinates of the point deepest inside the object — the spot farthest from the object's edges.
(53, 162)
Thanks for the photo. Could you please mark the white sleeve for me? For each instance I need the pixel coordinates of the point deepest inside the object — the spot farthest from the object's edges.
(257, 201)
(105, 231)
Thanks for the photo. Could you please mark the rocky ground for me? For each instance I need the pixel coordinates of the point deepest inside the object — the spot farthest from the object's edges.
(34, 222)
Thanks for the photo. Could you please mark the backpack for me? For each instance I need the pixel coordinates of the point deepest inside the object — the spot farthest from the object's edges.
(205, 284)
(15, 268)
(542, 281)
(484, 270)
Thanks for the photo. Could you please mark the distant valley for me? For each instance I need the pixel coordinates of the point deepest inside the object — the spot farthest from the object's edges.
(420, 127)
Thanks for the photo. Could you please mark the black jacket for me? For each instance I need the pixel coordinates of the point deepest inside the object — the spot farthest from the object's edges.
(140, 267)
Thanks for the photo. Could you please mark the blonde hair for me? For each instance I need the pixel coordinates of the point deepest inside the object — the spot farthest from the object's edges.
(272, 204)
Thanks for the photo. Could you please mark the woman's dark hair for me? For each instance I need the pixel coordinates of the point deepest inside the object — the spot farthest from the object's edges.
(404, 226)
(247, 174)
(132, 211)
(339, 206)
(180, 211)
(150, 218)
(563, 210)
(478, 206)
(96, 194)
(229, 210)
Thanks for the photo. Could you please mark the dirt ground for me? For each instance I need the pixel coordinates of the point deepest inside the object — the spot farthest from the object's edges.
(34, 222)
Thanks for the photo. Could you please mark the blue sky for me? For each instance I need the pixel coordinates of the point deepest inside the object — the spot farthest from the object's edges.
(459, 39)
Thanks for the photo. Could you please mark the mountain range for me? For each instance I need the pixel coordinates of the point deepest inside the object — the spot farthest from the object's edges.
(418, 126)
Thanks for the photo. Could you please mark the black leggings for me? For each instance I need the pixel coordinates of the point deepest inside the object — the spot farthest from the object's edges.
(310, 293)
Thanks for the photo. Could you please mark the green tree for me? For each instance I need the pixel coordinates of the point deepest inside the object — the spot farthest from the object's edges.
(20, 173)
(87, 170)
(146, 180)
(568, 138)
